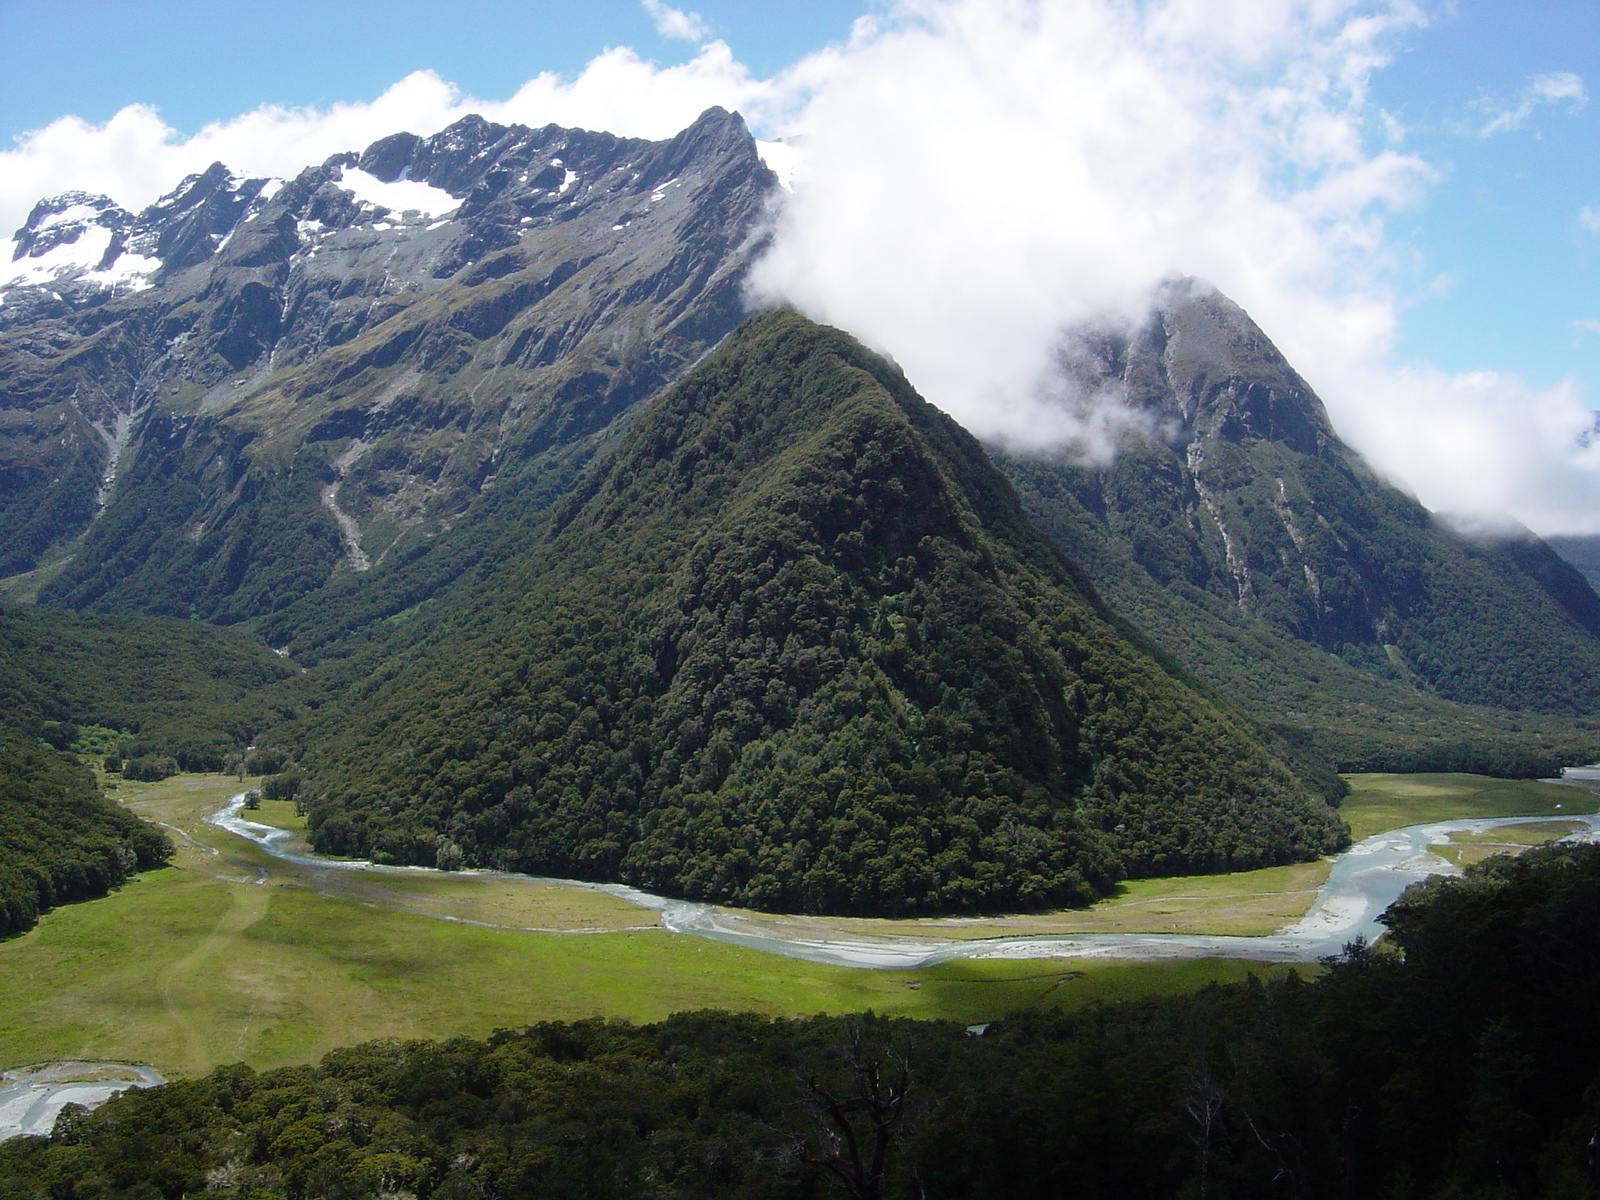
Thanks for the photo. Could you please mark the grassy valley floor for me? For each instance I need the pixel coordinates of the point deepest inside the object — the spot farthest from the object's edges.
(231, 955)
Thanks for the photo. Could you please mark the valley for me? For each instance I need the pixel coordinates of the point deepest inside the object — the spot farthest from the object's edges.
(483, 683)
(233, 955)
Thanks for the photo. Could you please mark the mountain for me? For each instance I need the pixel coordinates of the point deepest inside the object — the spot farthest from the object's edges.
(1270, 559)
(1583, 552)
(793, 644)
(214, 407)
(556, 583)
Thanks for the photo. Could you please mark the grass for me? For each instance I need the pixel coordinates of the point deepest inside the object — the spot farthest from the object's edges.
(1246, 903)
(200, 964)
(231, 955)
(1465, 849)
(1380, 802)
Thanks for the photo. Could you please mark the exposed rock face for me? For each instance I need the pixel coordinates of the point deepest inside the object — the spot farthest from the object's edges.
(217, 404)
(1244, 494)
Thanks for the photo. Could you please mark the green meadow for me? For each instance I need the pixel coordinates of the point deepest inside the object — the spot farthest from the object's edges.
(1380, 802)
(230, 955)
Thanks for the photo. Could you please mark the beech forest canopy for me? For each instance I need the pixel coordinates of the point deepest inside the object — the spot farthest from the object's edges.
(168, 689)
(794, 645)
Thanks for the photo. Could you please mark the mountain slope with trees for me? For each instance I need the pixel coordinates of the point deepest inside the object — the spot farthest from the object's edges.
(794, 645)
(1266, 556)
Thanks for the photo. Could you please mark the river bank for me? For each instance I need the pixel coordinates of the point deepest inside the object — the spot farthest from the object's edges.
(1361, 883)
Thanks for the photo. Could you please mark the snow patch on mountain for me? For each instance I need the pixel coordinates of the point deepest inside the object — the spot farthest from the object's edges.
(401, 196)
(83, 253)
(129, 273)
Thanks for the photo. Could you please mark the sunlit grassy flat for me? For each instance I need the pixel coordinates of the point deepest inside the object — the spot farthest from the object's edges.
(231, 955)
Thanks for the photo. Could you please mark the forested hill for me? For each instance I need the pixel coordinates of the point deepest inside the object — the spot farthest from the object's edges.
(794, 645)
(182, 689)
(173, 690)
(1265, 555)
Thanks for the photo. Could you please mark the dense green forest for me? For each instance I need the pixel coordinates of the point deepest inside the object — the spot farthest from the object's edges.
(181, 689)
(1463, 1066)
(60, 839)
(795, 645)
(1335, 712)
(171, 694)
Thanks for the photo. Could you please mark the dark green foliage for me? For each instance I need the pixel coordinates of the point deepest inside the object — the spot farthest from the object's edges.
(1267, 558)
(277, 545)
(1362, 710)
(282, 787)
(794, 645)
(50, 473)
(264, 761)
(1464, 1070)
(352, 610)
(1582, 553)
(150, 769)
(176, 689)
(60, 840)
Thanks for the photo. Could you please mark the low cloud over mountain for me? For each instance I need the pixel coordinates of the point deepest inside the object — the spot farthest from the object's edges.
(974, 177)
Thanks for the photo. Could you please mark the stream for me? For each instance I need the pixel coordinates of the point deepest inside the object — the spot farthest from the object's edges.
(31, 1098)
(1362, 883)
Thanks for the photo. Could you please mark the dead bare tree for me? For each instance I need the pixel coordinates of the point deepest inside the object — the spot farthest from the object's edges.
(854, 1126)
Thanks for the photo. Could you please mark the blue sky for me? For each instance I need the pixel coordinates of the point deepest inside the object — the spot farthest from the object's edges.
(1490, 266)
(1500, 231)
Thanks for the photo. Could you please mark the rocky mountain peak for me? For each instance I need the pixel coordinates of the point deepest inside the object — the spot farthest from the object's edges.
(1202, 358)
(1203, 370)
(64, 220)
(384, 335)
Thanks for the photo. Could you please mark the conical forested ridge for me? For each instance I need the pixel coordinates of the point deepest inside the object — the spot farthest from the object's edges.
(794, 645)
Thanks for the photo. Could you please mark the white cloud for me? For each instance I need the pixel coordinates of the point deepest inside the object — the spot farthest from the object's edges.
(973, 175)
(978, 175)
(1589, 219)
(135, 157)
(1587, 326)
(675, 23)
(1558, 87)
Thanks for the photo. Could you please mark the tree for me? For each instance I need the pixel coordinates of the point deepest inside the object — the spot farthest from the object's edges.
(854, 1125)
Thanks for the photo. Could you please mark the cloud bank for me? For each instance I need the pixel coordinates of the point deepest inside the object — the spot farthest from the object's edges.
(976, 175)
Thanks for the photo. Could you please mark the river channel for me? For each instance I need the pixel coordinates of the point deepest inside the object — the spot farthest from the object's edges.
(31, 1098)
(1361, 884)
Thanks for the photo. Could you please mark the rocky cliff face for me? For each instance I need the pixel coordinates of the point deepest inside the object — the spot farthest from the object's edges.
(1242, 495)
(214, 406)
